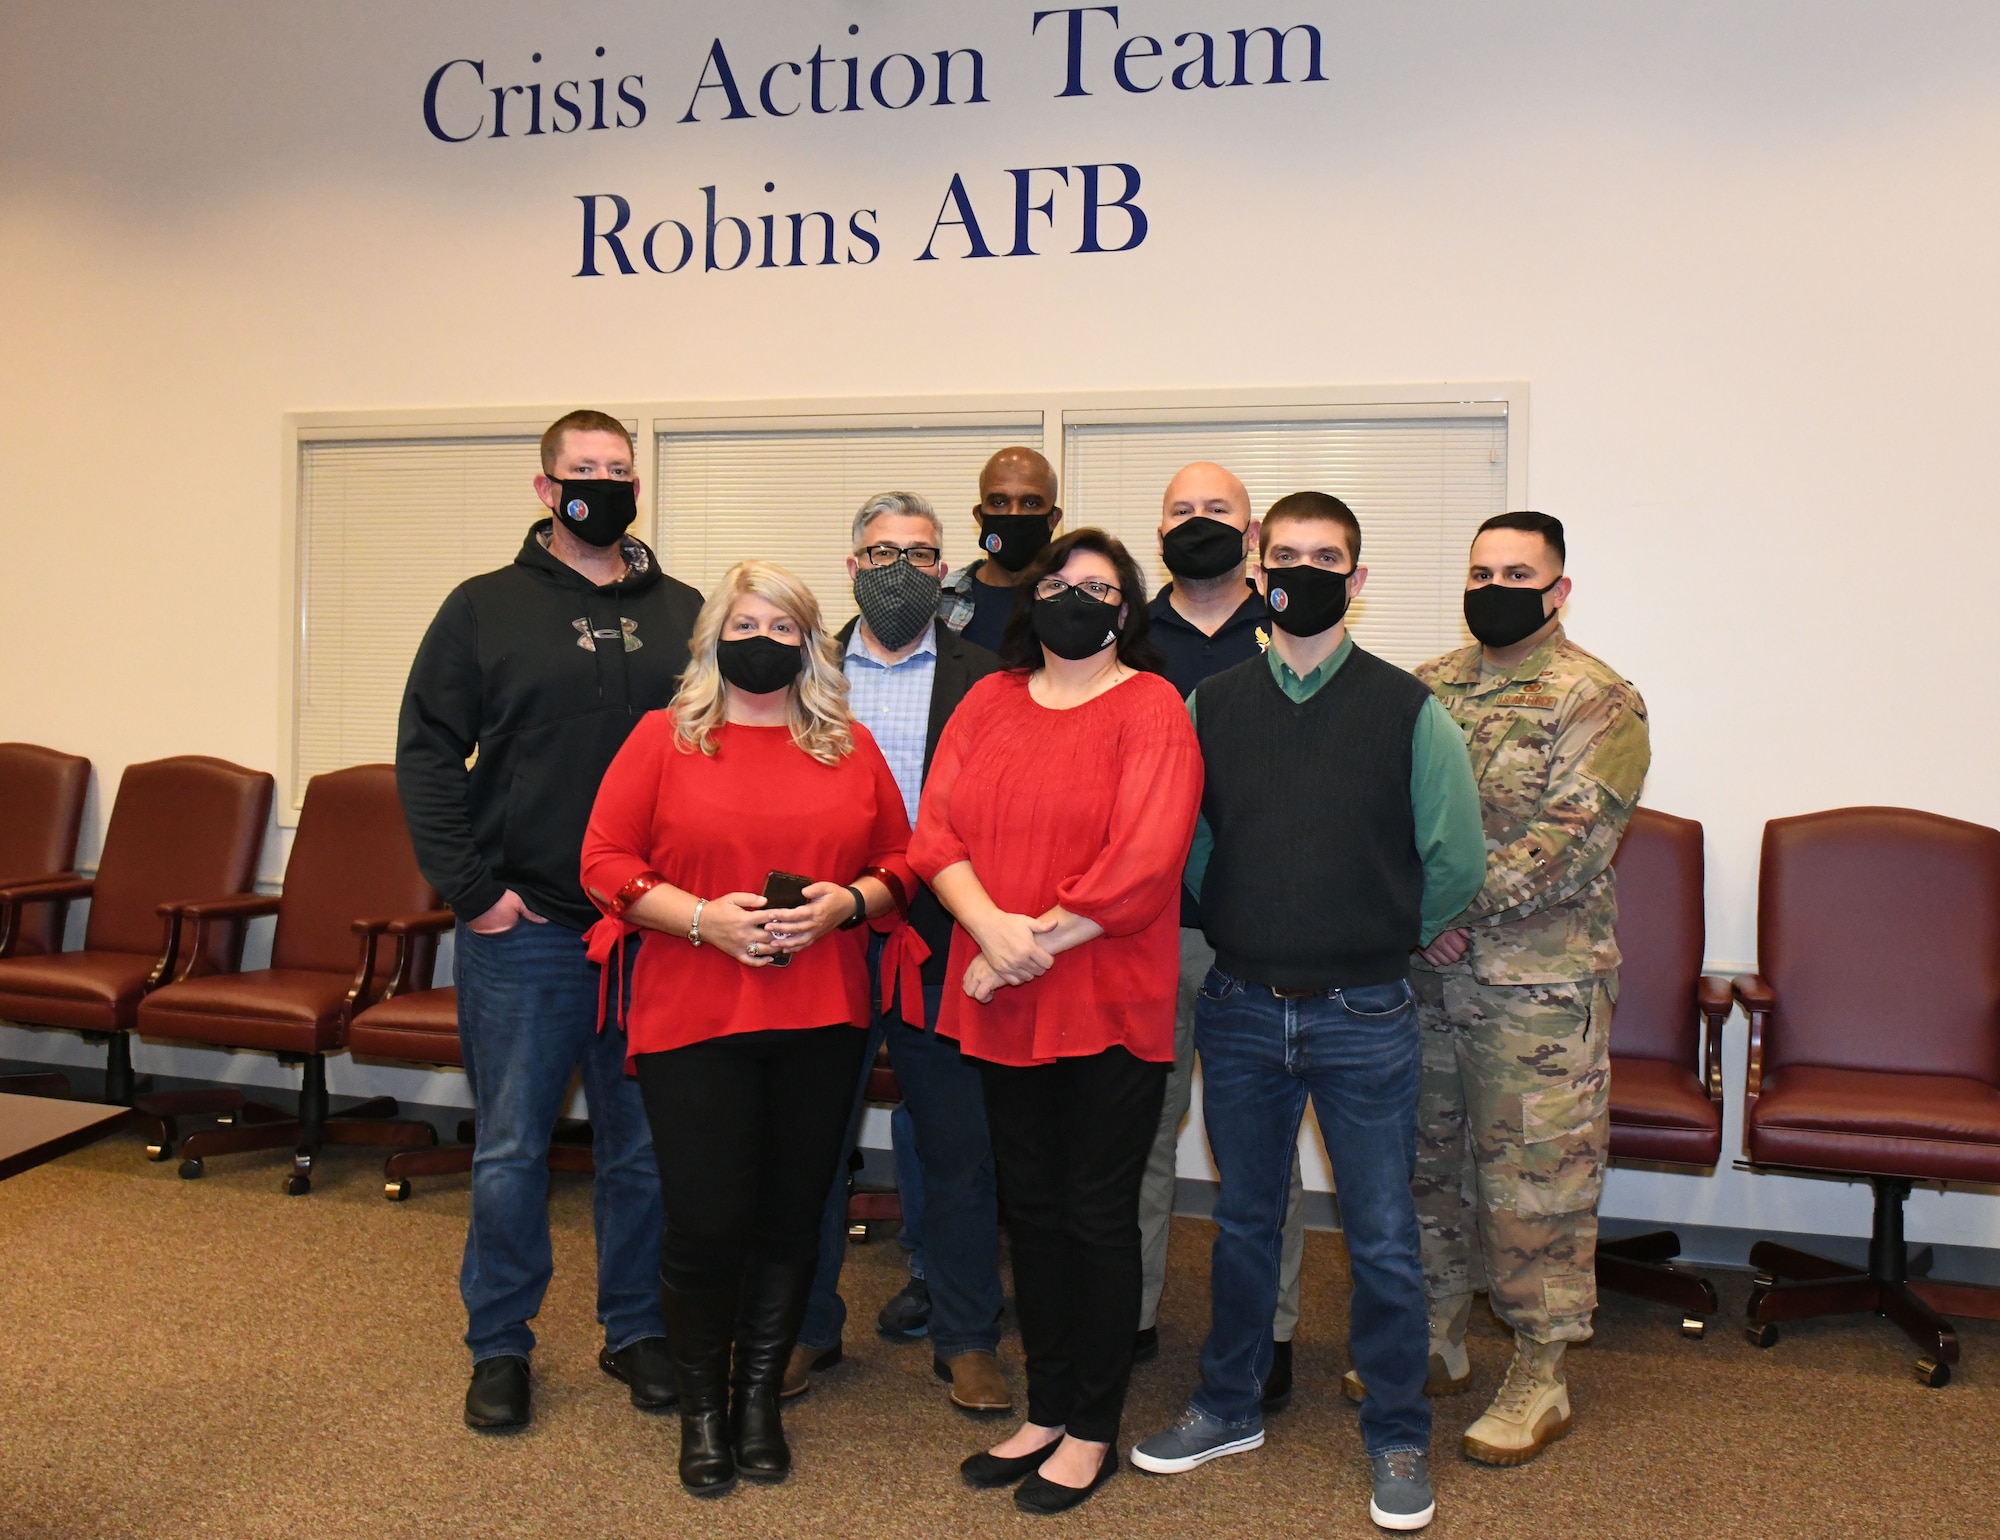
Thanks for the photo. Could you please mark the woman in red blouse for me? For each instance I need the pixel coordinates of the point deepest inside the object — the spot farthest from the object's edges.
(746, 1022)
(1054, 826)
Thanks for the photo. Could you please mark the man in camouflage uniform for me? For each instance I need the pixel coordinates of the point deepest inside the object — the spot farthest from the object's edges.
(1515, 1001)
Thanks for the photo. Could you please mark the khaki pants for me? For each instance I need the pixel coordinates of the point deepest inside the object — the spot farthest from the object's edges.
(1156, 1195)
(1513, 1129)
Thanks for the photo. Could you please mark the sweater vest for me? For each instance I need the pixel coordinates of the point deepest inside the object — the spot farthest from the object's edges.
(1314, 881)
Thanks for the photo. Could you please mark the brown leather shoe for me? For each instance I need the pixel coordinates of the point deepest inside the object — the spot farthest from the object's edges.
(976, 1382)
(804, 1363)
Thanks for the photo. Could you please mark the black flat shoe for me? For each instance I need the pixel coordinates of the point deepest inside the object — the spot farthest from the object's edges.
(497, 1399)
(646, 1368)
(1146, 1345)
(986, 1470)
(1040, 1495)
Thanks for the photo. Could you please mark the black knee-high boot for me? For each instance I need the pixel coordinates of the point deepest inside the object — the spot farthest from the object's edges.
(699, 1324)
(774, 1302)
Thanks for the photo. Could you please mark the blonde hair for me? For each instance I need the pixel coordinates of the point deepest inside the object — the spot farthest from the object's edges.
(816, 708)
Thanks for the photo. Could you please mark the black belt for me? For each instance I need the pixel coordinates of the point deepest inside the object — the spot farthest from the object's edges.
(1299, 994)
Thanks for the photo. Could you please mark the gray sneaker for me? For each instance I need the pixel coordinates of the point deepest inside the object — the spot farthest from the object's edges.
(1402, 1497)
(1194, 1440)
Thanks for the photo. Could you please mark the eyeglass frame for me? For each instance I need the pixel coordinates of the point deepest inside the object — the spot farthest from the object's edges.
(1063, 587)
(865, 556)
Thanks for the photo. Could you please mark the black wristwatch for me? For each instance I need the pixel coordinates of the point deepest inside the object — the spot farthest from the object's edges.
(860, 908)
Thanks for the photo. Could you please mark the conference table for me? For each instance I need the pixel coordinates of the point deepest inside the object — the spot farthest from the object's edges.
(36, 1129)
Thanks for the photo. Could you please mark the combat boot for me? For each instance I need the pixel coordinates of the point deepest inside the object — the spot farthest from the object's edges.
(1530, 1413)
(1449, 1372)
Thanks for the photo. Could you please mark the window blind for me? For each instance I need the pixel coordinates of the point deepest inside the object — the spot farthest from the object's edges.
(1419, 486)
(387, 529)
(790, 495)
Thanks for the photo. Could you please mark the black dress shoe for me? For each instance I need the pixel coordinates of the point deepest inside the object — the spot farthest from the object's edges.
(1146, 1345)
(986, 1470)
(497, 1398)
(647, 1367)
(1278, 1388)
(907, 1316)
(1040, 1495)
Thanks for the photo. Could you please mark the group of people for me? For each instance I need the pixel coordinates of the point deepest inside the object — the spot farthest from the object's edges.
(1050, 841)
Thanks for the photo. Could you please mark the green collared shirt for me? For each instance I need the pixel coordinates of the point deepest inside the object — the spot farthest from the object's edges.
(1444, 800)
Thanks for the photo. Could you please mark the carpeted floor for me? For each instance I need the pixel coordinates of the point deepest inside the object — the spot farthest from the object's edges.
(212, 1358)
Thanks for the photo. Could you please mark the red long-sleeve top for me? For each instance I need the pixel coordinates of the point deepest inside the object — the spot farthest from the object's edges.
(715, 824)
(1092, 808)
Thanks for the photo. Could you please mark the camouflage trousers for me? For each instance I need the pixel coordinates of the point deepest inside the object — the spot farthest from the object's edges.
(1513, 1129)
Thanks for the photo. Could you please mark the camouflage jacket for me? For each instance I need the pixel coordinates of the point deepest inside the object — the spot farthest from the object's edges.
(1560, 748)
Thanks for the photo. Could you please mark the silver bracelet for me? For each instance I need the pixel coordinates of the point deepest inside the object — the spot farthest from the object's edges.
(694, 925)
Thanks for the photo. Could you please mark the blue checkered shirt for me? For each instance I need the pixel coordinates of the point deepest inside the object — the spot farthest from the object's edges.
(894, 703)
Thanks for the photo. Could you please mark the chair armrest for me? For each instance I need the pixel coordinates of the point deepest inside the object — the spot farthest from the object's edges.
(199, 912)
(1758, 999)
(405, 928)
(18, 893)
(1717, 1000)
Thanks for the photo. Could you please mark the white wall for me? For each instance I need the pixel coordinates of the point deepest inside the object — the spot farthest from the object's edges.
(1744, 256)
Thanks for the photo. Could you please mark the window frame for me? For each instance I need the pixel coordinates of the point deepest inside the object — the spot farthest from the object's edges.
(1056, 410)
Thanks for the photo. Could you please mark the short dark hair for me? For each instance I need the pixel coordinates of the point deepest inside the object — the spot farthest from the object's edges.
(1019, 648)
(1323, 506)
(583, 421)
(1549, 527)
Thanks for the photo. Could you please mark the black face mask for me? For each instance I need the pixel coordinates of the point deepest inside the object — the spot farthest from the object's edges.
(759, 664)
(1013, 539)
(596, 512)
(897, 601)
(1202, 547)
(1500, 616)
(1305, 600)
(1074, 625)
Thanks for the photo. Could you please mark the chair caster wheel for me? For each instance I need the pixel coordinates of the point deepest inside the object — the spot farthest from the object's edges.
(397, 1191)
(1932, 1374)
(298, 1186)
(1761, 1334)
(1694, 1326)
(159, 1152)
(190, 1170)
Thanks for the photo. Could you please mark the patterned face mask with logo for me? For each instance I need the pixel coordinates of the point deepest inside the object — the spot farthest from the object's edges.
(1013, 539)
(1305, 600)
(1073, 625)
(596, 512)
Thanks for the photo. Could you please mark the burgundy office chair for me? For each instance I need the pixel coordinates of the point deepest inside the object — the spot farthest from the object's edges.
(180, 828)
(41, 812)
(415, 1024)
(352, 878)
(1666, 1082)
(871, 1205)
(1875, 1050)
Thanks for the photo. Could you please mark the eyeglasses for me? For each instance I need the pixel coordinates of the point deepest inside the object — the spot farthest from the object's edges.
(923, 557)
(1096, 588)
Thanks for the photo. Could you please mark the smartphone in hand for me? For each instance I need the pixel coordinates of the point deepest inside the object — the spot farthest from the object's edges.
(784, 890)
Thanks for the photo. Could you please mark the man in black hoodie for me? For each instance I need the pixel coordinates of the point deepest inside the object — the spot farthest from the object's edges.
(524, 688)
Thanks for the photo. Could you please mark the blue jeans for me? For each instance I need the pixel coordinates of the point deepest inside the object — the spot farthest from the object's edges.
(527, 1016)
(1357, 1053)
(960, 1210)
(909, 1185)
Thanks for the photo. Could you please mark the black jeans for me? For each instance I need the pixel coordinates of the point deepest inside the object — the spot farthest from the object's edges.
(1070, 1141)
(746, 1130)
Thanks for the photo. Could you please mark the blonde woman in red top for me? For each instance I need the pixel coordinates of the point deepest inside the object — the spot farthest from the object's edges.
(746, 1022)
(1055, 826)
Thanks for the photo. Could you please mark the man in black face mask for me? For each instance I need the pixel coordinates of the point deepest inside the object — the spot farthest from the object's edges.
(1516, 997)
(1208, 618)
(533, 675)
(906, 675)
(1339, 830)
(1017, 515)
